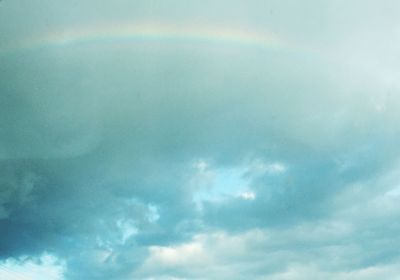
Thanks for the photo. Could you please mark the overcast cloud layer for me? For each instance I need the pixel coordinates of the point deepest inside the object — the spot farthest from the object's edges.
(162, 159)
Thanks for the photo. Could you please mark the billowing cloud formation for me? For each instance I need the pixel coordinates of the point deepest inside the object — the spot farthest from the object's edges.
(172, 151)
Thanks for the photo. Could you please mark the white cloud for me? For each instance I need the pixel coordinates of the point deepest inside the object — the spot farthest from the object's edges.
(127, 228)
(259, 167)
(309, 251)
(247, 195)
(47, 266)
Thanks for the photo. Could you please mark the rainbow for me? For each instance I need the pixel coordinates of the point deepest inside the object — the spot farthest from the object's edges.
(147, 31)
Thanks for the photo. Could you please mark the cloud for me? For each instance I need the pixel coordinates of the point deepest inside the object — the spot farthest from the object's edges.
(330, 248)
(32, 269)
(182, 159)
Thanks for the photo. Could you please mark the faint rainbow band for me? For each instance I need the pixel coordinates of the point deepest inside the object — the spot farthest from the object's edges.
(148, 31)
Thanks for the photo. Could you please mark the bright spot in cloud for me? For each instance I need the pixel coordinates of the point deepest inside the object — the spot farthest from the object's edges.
(180, 255)
(217, 184)
(154, 214)
(128, 229)
(395, 192)
(247, 195)
(201, 165)
(259, 167)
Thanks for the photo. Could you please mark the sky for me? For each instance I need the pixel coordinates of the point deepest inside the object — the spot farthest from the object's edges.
(166, 140)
